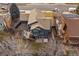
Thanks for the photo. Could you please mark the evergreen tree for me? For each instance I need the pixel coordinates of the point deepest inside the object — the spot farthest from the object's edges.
(14, 11)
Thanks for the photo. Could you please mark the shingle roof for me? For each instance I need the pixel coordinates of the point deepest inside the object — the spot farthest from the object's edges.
(45, 24)
(33, 16)
(42, 20)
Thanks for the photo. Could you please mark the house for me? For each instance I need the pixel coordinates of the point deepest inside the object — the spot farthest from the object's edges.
(40, 23)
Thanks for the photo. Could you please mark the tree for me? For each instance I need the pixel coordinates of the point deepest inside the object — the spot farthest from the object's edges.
(77, 9)
(14, 11)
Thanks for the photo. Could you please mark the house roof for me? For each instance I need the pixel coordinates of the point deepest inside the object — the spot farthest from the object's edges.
(38, 14)
(45, 24)
(41, 19)
(33, 16)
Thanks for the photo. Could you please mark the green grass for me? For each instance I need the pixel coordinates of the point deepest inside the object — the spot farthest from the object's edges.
(3, 34)
(36, 46)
